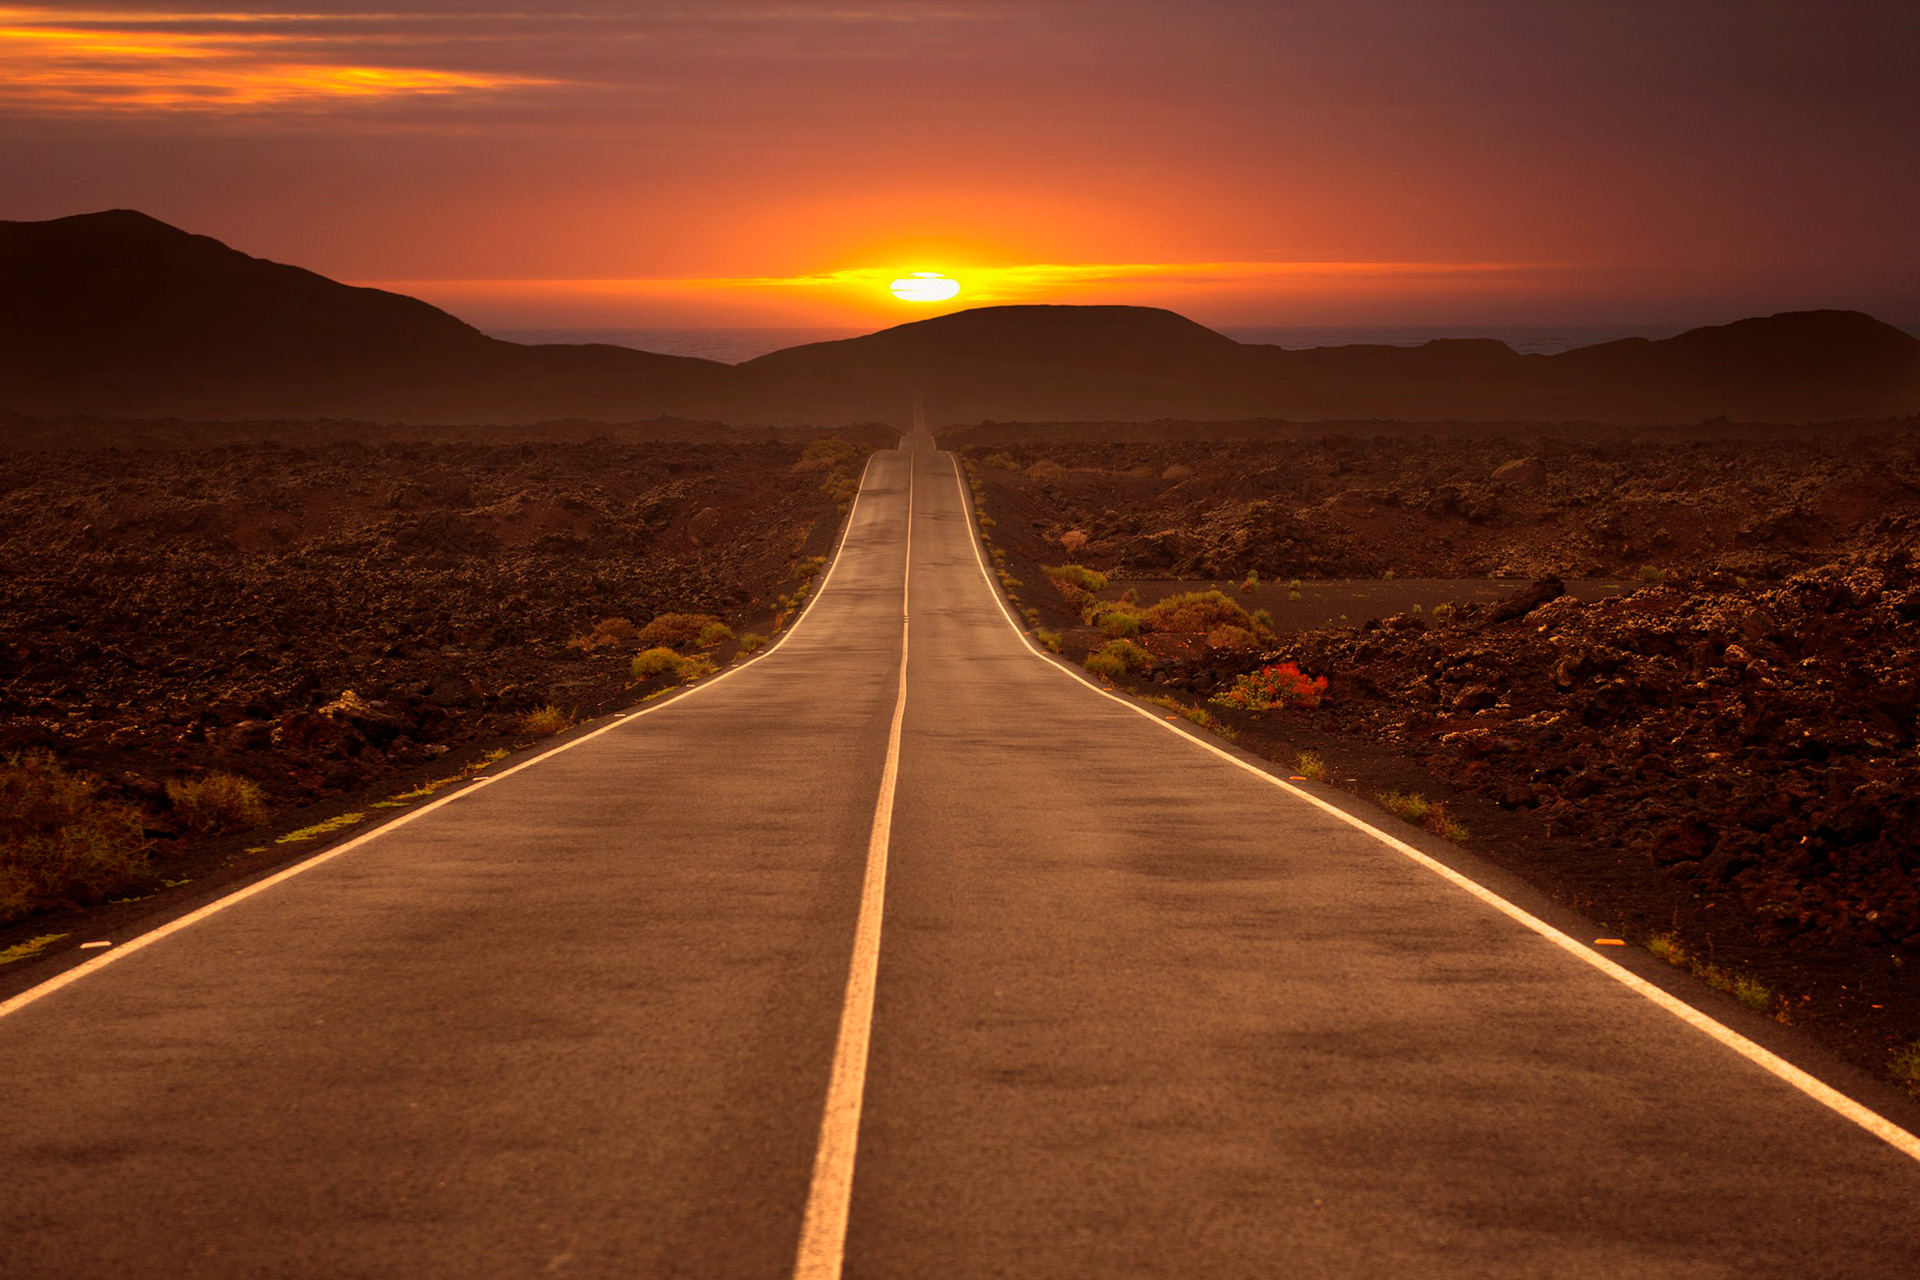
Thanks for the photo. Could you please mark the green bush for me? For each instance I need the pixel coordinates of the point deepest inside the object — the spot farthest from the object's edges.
(652, 662)
(751, 642)
(61, 843)
(1117, 657)
(218, 802)
(1079, 575)
(712, 634)
(1199, 611)
(695, 668)
(1118, 624)
(1049, 640)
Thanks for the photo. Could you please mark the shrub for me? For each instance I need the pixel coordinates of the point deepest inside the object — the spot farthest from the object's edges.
(1231, 638)
(1105, 665)
(1262, 622)
(544, 722)
(1312, 766)
(1079, 575)
(1049, 640)
(712, 634)
(1199, 611)
(751, 641)
(1001, 462)
(218, 802)
(695, 668)
(1252, 584)
(1271, 687)
(606, 633)
(652, 662)
(674, 628)
(61, 843)
(1118, 624)
(1073, 541)
(807, 568)
(1650, 573)
(1117, 657)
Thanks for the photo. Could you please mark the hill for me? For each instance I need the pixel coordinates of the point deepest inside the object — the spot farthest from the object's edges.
(119, 314)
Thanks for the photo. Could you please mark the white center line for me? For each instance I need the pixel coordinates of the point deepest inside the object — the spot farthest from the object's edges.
(823, 1231)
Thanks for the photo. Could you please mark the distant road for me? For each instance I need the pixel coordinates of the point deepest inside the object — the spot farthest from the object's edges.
(1135, 1011)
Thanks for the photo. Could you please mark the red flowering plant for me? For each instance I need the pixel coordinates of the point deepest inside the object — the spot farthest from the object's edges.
(1280, 685)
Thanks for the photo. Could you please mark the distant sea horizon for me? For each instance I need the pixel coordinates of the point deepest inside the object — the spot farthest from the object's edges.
(734, 345)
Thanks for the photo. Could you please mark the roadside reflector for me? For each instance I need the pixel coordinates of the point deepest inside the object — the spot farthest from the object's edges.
(1298, 777)
(1609, 942)
(89, 945)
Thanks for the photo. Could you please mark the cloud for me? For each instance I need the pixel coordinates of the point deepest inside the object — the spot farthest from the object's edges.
(61, 61)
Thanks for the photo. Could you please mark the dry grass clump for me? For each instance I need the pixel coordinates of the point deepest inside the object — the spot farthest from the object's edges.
(1422, 812)
(1049, 640)
(1077, 574)
(1116, 658)
(1312, 767)
(712, 634)
(1198, 611)
(751, 642)
(1198, 715)
(1744, 987)
(606, 634)
(675, 628)
(544, 722)
(1073, 542)
(649, 663)
(62, 844)
(218, 802)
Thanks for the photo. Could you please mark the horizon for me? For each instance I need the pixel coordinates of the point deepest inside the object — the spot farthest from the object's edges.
(1364, 165)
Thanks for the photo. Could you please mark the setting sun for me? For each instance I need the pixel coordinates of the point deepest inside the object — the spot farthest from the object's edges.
(925, 286)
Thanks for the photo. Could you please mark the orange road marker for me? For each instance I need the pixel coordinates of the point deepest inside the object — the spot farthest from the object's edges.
(1609, 942)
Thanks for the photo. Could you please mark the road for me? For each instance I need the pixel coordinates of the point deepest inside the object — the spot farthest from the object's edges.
(1135, 1012)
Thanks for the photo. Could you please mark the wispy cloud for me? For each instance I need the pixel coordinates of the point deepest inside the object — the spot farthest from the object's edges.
(107, 61)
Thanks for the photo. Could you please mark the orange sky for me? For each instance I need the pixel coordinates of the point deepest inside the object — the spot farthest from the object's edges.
(1332, 162)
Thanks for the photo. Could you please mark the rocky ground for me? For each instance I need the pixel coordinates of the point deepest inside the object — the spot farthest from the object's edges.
(323, 612)
(1721, 759)
(1364, 500)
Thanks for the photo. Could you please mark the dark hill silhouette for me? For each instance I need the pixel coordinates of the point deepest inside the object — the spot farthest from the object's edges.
(119, 314)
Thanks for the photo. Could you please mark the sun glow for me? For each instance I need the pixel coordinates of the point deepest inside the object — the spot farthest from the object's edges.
(925, 286)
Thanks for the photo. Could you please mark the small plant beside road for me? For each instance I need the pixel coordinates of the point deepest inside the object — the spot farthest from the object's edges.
(1117, 658)
(1312, 767)
(62, 843)
(1197, 715)
(544, 722)
(1422, 812)
(1744, 987)
(218, 803)
(1279, 685)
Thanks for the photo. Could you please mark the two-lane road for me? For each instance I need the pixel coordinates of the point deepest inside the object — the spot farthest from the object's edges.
(1138, 1012)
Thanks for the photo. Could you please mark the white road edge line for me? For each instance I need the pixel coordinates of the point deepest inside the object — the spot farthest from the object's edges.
(1815, 1088)
(823, 1228)
(135, 944)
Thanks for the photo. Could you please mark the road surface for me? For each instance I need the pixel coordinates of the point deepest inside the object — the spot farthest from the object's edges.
(1135, 1012)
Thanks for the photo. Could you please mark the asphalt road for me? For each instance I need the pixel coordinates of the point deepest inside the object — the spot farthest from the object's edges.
(1138, 1013)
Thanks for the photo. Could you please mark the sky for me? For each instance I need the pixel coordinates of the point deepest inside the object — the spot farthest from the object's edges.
(727, 163)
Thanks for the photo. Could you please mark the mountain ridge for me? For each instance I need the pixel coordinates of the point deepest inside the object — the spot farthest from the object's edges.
(119, 314)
